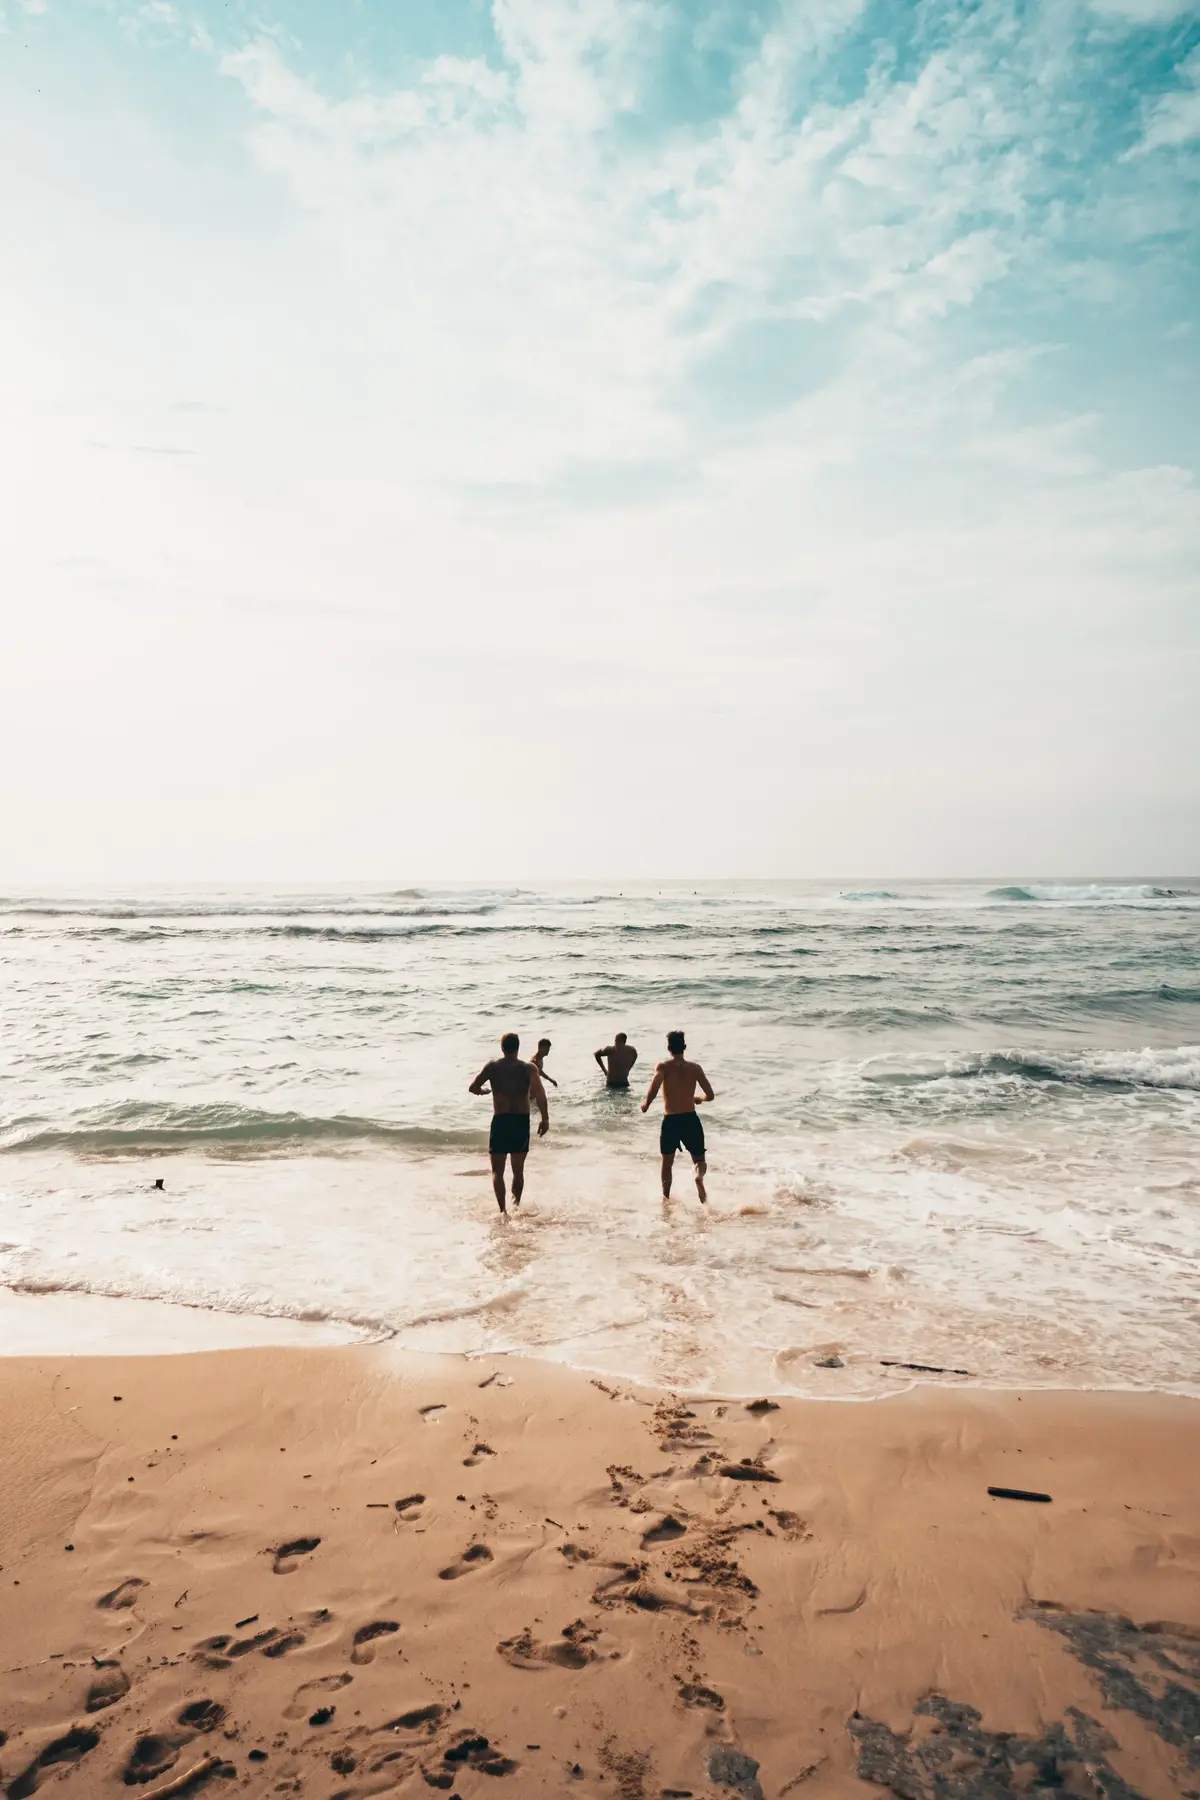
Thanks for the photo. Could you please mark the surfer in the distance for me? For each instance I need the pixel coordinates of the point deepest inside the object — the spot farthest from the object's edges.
(681, 1127)
(512, 1083)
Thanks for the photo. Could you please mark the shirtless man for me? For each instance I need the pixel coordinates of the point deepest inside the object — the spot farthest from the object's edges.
(621, 1057)
(511, 1082)
(538, 1059)
(681, 1123)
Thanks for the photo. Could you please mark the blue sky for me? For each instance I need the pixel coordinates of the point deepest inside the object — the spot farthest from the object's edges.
(568, 437)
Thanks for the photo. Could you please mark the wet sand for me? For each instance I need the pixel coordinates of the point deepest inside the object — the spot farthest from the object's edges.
(346, 1571)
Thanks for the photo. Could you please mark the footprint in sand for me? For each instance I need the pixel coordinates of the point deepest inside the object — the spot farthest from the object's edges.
(477, 1455)
(122, 1596)
(219, 1652)
(323, 1684)
(410, 1507)
(287, 1555)
(692, 1694)
(420, 1718)
(473, 1557)
(629, 1587)
(202, 1715)
(667, 1528)
(575, 1649)
(153, 1755)
(110, 1685)
(364, 1637)
(69, 1749)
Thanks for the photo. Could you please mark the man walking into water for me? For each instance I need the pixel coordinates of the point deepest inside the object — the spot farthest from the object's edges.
(620, 1057)
(681, 1125)
(511, 1082)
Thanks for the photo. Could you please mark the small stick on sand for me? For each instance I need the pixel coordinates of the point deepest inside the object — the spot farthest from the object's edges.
(183, 1783)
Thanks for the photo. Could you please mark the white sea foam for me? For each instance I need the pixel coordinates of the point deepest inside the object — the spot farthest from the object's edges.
(966, 1128)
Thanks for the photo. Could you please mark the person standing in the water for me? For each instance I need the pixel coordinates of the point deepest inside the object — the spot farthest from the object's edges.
(512, 1083)
(616, 1061)
(681, 1127)
(538, 1059)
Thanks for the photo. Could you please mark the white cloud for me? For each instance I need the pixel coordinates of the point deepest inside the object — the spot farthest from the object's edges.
(1144, 12)
(1174, 119)
(467, 373)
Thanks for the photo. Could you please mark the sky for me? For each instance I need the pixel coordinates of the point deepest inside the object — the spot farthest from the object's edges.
(566, 438)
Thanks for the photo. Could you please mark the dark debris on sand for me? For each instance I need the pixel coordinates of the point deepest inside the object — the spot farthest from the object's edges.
(961, 1761)
(1152, 1671)
(1132, 1662)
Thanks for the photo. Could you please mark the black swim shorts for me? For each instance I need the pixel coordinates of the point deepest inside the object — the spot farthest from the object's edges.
(682, 1130)
(510, 1134)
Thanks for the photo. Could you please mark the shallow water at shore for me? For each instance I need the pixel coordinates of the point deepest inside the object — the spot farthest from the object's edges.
(953, 1126)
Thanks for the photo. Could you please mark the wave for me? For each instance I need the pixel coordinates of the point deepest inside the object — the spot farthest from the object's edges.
(1121, 1070)
(870, 894)
(1095, 892)
(243, 1305)
(275, 906)
(137, 1128)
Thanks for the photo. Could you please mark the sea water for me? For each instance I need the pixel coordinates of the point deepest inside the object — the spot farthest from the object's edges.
(956, 1125)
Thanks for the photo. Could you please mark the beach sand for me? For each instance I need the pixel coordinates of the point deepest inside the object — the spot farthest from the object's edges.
(346, 1571)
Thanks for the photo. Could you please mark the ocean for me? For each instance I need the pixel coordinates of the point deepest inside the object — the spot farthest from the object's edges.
(956, 1124)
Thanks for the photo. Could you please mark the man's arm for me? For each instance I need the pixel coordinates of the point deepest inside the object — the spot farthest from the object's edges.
(653, 1088)
(546, 1076)
(600, 1056)
(539, 1095)
(484, 1074)
(702, 1078)
(632, 1056)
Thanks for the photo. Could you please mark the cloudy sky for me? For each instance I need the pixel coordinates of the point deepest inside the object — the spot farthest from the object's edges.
(516, 438)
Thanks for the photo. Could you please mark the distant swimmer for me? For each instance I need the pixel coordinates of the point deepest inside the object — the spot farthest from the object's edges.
(681, 1127)
(620, 1057)
(512, 1082)
(538, 1059)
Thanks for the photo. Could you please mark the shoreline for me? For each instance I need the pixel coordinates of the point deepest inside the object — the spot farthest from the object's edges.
(365, 1570)
(73, 1324)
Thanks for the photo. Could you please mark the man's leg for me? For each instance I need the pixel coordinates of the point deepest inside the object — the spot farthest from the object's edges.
(498, 1182)
(518, 1167)
(668, 1164)
(701, 1172)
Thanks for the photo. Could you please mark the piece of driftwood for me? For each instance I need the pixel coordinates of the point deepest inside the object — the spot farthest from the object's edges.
(889, 1362)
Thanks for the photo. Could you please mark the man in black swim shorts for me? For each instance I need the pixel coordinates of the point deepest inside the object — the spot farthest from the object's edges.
(512, 1083)
(681, 1127)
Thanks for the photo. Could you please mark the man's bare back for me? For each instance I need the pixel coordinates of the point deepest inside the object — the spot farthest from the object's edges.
(617, 1060)
(513, 1084)
(678, 1080)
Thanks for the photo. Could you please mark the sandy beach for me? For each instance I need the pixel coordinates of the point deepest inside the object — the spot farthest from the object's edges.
(350, 1571)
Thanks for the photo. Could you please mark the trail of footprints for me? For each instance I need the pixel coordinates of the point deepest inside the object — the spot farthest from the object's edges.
(689, 1569)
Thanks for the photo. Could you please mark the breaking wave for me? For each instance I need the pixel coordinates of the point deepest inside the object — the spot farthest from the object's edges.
(1091, 893)
(136, 1128)
(1104, 1069)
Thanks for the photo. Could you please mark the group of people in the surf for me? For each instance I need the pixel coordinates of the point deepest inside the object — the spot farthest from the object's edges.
(515, 1086)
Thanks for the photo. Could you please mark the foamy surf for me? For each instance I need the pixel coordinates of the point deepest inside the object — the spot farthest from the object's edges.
(951, 1130)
